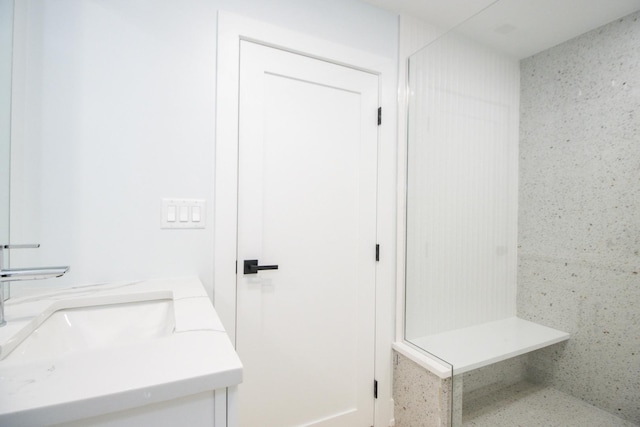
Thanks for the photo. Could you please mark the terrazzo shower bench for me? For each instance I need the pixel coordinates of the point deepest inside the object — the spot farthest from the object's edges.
(429, 393)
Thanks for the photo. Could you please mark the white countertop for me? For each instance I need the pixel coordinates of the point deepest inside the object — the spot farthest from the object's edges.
(197, 357)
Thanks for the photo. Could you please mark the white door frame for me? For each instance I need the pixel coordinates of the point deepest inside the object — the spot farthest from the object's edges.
(231, 29)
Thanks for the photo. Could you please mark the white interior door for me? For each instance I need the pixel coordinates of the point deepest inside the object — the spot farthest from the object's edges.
(306, 203)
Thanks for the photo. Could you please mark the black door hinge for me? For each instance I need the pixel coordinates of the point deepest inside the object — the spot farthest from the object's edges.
(375, 389)
(379, 116)
(377, 252)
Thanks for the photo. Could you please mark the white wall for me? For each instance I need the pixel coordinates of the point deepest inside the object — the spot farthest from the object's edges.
(117, 110)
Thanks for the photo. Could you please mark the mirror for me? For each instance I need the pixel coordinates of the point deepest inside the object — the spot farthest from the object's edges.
(6, 39)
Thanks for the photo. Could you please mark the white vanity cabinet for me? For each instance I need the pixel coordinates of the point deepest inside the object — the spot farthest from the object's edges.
(187, 376)
(207, 409)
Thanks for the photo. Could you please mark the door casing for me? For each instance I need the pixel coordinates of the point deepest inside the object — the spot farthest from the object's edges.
(231, 29)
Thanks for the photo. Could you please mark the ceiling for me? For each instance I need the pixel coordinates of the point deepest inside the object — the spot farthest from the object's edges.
(518, 27)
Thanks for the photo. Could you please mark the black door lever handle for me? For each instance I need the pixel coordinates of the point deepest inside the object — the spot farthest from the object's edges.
(251, 266)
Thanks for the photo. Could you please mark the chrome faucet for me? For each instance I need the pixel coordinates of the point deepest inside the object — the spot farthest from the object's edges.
(15, 274)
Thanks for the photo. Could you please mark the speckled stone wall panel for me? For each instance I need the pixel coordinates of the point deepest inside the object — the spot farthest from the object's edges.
(493, 377)
(579, 213)
(421, 398)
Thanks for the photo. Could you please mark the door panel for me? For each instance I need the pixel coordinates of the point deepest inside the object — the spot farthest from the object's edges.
(306, 202)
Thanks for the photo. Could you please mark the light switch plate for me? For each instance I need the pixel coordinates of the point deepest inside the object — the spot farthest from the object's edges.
(172, 216)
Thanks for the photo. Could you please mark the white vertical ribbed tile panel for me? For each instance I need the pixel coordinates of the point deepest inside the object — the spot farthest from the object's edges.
(461, 186)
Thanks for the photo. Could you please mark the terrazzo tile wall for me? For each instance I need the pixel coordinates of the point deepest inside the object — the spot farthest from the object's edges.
(579, 213)
(421, 398)
(490, 378)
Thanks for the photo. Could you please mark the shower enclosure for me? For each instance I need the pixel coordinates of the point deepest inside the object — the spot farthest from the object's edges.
(522, 232)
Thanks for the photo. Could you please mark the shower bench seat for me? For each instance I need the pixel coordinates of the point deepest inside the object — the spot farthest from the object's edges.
(481, 345)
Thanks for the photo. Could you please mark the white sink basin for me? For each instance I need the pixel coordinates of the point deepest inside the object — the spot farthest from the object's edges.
(71, 325)
(90, 327)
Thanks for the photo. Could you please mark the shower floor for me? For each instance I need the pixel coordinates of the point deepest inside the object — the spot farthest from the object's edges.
(531, 405)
